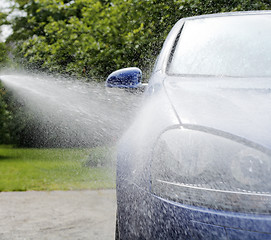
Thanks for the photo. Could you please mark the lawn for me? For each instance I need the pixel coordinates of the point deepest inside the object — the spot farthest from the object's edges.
(55, 169)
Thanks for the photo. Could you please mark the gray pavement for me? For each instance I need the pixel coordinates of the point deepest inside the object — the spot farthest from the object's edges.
(58, 215)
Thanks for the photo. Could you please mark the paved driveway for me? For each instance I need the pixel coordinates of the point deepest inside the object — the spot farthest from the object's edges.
(58, 215)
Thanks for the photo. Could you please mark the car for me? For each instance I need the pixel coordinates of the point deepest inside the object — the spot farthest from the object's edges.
(196, 161)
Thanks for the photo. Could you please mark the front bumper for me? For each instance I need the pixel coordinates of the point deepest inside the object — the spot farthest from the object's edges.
(143, 215)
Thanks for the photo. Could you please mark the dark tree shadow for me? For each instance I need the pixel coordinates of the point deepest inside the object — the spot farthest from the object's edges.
(5, 157)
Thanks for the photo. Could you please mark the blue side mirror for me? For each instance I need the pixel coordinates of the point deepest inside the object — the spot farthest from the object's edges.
(125, 78)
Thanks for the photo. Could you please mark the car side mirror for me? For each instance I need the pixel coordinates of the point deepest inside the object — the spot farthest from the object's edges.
(125, 78)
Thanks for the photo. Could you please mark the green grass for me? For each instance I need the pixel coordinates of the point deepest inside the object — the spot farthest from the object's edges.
(53, 169)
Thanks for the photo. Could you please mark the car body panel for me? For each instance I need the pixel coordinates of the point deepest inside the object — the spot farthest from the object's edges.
(241, 107)
(146, 216)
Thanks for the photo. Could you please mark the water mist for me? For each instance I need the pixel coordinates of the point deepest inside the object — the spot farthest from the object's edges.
(79, 113)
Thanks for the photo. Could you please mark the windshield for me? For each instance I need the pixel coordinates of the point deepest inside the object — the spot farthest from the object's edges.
(237, 46)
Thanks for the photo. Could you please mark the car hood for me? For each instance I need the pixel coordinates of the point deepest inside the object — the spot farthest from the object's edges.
(237, 106)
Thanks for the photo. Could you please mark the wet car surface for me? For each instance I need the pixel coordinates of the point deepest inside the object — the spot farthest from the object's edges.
(196, 163)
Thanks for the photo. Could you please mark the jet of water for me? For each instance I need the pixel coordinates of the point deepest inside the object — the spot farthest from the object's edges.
(77, 112)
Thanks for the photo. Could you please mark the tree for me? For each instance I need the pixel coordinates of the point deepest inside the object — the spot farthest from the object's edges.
(5, 118)
(93, 38)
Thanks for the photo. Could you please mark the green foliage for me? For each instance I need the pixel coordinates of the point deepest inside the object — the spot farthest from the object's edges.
(3, 55)
(16, 123)
(4, 60)
(5, 118)
(93, 38)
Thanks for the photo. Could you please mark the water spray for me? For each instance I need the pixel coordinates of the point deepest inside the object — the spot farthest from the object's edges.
(72, 112)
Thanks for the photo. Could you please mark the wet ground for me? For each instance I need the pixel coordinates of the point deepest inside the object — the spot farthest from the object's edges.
(58, 215)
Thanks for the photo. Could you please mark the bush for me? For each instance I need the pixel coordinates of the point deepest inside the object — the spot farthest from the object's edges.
(5, 118)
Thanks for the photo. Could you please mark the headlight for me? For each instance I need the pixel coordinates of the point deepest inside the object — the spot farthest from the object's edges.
(201, 169)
